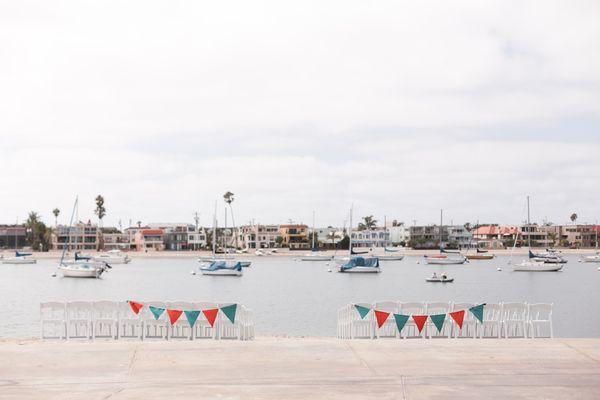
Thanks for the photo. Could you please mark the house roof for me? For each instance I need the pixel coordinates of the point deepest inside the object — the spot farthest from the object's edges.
(152, 231)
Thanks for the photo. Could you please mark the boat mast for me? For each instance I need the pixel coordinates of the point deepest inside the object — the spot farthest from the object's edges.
(528, 225)
(441, 227)
(214, 238)
(313, 232)
(350, 233)
(385, 242)
(62, 256)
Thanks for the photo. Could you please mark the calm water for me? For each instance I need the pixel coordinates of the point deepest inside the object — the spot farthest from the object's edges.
(301, 298)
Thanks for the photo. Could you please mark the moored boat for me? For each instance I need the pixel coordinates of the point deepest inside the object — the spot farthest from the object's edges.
(19, 258)
(537, 266)
(594, 258)
(222, 268)
(445, 260)
(360, 265)
(113, 257)
(83, 269)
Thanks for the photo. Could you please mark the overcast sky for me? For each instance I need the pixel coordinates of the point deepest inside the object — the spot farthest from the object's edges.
(400, 107)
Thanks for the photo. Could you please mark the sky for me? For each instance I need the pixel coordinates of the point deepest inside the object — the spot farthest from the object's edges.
(399, 108)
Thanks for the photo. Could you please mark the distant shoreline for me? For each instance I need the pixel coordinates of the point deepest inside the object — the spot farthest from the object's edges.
(291, 253)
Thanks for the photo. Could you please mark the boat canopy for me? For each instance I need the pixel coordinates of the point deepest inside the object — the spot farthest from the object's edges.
(82, 258)
(216, 265)
(372, 262)
(22, 254)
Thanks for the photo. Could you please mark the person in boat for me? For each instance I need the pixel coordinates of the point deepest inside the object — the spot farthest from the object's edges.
(444, 277)
(434, 276)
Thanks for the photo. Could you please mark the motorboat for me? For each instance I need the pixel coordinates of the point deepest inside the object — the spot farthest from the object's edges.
(440, 279)
(547, 257)
(222, 268)
(445, 260)
(480, 255)
(83, 269)
(594, 258)
(533, 265)
(361, 265)
(316, 256)
(19, 258)
(113, 257)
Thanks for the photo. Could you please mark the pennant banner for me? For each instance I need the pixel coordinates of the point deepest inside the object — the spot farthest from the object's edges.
(401, 320)
(229, 312)
(478, 312)
(174, 315)
(362, 311)
(381, 316)
(420, 321)
(157, 311)
(458, 317)
(135, 307)
(192, 317)
(211, 315)
(438, 321)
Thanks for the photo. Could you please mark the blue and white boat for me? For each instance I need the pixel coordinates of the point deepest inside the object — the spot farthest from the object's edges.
(358, 264)
(223, 268)
(19, 258)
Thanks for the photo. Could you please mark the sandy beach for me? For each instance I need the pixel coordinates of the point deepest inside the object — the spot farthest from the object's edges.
(300, 368)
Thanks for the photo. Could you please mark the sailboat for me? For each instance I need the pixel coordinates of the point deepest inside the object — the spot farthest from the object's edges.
(315, 255)
(391, 254)
(358, 264)
(479, 253)
(443, 259)
(82, 267)
(220, 267)
(536, 264)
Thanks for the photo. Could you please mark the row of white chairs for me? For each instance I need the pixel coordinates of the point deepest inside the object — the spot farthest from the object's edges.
(116, 320)
(506, 320)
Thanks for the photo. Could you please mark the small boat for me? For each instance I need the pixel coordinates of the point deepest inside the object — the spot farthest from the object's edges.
(222, 268)
(361, 265)
(533, 265)
(391, 257)
(445, 260)
(316, 256)
(594, 258)
(479, 256)
(441, 279)
(19, 258)
(113, 257)
(83, 269)
(391, 250)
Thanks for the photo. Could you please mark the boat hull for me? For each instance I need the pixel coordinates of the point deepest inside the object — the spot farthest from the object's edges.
(592, 259)
(18, 261)
(479, 256)
(437, 280)
(316, 258)
(222, 272)
(360, 270)
(445, 261)
(390, 258)
(80, 272)
(537, 267)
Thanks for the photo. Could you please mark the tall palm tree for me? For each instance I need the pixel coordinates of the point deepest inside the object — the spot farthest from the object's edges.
(573, 217)
(228, 198)
(56, 212)
(100, 211)
(369, 222)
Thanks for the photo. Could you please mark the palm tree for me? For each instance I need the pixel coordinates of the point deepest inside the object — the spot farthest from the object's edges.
(369, 222)
(56, 212)
(228, 198)
(100, 211)
(573, 217)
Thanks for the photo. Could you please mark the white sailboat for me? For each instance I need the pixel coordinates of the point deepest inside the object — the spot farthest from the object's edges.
(455, 258)
(538, 263)
(82, 267)
(391, 254)
(315, 255)
(113, 257)
(358, 264)
(220, 267)
(18, 258)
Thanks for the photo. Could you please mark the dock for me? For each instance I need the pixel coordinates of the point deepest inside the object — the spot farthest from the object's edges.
(301, 368)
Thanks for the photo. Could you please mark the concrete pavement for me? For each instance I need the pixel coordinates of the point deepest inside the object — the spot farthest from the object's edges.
(300, 368)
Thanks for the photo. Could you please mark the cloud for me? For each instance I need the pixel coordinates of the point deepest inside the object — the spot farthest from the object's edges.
(401, 108)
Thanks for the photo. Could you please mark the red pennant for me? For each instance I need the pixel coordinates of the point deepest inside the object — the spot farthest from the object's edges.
(135, 307)
(381, 316)
(174, 315)
(420, 321)
(211, 315)
(458, 317)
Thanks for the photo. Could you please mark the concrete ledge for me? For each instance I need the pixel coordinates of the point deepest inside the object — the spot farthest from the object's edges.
(300, 368)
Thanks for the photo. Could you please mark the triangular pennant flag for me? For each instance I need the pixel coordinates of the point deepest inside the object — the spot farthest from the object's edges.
(229, 312)
(211, 315)
(478, 312)
(381, 316)
(362, 311)
(192, 316)
(156, 311)
(438, 321)
(401, 320)
(135, 307)
(174, 315)
(458, 317)
(420, 321)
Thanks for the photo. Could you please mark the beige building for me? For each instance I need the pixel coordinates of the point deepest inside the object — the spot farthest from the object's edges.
(258, 236)
(295, 236)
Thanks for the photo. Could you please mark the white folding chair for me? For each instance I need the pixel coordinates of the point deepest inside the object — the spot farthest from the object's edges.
(361, 327)
(248, 324)
(105, 318)
(469, 325)
(492, 321)
(129, 324)
(410, 329)
(53, 316)
(514, 319)
(154, 328)
(540, 316)
(181, 329)
(435, 308)
(79, 320)
(202, 328)
(388, 329)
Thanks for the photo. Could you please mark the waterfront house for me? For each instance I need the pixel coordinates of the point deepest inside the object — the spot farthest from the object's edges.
(257, 236)
(12, 236)
(295, 236)
(149, 239)
(79, 237)
(378, 237)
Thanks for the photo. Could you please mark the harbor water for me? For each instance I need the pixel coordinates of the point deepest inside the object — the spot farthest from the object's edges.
(295, 298)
